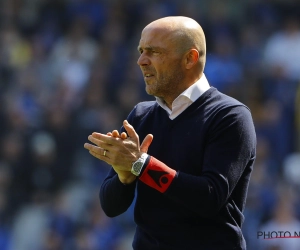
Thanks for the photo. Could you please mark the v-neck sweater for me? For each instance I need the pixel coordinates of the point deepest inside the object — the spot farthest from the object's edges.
(211, 146)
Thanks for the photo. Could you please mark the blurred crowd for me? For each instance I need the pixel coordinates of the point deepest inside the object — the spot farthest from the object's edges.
(68, 68)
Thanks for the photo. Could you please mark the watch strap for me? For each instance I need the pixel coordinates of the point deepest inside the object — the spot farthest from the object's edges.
(146, 163)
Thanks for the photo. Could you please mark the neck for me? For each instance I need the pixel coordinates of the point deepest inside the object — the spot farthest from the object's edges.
(168, 104)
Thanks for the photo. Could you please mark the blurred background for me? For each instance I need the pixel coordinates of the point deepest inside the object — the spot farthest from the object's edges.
(68, 68)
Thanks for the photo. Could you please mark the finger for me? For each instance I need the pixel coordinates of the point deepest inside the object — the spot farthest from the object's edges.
(93, 148)
(130, 131)
(115, 133)
(97, 151)
(94, 140)
(87, 146)
(102, 139)
(123, 135)
(105, 153)
(146, 143)
(98, 135)
(100, 156)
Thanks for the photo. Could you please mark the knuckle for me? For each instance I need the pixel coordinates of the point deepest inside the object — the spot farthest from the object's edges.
(97, 150)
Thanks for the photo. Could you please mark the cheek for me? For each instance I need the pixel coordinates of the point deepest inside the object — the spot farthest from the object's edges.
(162, 71)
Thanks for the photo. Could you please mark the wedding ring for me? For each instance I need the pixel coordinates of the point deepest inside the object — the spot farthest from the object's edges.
(104, 153)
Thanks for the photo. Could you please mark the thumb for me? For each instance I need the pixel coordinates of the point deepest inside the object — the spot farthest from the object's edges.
(130, 131)
(146, 143)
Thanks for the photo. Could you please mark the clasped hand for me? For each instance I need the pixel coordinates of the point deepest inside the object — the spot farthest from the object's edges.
(119, 151)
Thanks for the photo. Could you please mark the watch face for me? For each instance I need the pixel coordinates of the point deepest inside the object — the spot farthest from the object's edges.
(137, 166)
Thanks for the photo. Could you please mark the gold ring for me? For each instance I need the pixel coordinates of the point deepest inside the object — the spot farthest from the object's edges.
(104, 153)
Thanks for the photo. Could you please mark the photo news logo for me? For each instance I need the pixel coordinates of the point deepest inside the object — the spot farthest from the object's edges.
(269, 235)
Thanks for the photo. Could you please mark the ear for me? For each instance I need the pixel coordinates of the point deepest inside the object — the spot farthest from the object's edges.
(192, 57)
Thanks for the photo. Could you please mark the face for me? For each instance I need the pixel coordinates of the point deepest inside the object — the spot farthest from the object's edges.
(161, 66)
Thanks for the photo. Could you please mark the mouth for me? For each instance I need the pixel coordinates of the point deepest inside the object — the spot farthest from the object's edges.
(147, 75)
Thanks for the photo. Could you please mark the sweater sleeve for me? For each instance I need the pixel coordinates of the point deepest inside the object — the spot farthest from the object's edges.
(115, 197)
(229, 151)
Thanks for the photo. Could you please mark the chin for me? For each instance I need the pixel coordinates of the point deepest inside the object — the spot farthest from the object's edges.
(149, 90)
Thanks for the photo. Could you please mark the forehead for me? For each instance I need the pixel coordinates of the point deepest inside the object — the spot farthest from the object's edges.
(155, 37)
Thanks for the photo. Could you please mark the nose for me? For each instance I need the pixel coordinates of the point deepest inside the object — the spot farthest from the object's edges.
(143, 60)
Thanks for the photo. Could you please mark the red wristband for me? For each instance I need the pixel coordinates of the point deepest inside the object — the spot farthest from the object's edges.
(157, 175)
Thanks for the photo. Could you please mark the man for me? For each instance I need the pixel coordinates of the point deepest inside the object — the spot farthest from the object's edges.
(192, 171)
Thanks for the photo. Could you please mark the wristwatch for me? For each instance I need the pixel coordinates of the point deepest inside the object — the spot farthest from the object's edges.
(137, 166)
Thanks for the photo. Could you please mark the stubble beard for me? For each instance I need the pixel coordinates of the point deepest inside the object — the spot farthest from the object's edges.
(167, 85)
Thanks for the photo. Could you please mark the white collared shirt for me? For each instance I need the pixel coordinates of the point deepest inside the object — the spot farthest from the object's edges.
(186, 98)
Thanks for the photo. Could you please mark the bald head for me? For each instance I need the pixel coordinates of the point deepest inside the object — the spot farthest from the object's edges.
(184, 32)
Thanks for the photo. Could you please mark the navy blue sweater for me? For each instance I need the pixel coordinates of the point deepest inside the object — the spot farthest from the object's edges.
(211, 145)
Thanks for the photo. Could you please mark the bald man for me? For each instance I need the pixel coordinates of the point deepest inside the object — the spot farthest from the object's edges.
(191, 173)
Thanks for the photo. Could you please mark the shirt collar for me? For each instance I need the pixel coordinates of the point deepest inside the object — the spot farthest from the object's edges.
(190, 95)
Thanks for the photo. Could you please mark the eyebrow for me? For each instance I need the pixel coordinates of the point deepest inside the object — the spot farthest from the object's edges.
(149, 48)
(145, 48)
